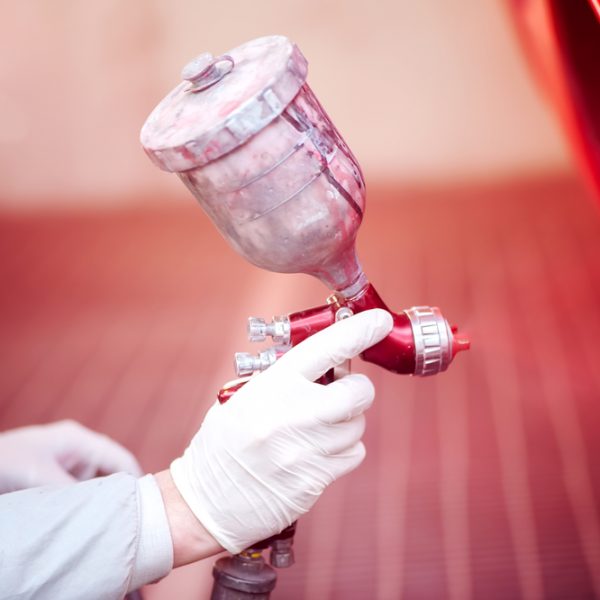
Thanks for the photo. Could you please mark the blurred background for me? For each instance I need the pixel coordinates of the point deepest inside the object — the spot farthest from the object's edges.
(121, 306)
(423, 92)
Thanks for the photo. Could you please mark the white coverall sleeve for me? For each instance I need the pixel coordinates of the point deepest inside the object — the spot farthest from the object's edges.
(96, 540)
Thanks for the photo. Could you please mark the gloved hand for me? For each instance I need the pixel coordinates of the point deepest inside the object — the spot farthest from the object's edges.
(61, 452)
(263, 459)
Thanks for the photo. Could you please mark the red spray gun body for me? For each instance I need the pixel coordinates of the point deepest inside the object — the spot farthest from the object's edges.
(421, 342)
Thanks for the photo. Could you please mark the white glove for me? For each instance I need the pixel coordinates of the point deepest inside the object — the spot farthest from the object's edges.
(61, 452)
(263, 459)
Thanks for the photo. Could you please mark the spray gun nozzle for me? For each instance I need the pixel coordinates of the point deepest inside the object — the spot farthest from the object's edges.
(460, 342)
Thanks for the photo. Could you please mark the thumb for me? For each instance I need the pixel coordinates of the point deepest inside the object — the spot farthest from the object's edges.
(335, 344)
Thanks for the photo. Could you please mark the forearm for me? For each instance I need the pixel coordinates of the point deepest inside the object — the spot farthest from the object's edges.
(191, 541)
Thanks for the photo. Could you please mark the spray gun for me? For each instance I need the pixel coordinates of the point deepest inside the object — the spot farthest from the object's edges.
(249, 139)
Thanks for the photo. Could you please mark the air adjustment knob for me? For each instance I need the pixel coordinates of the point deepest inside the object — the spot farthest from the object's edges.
(278, 329)
(257, 329)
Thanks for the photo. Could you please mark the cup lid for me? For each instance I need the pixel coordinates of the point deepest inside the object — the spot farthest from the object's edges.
(222, 102)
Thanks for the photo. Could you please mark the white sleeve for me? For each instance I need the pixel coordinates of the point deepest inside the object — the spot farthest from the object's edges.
(95, 540)
(154, 556)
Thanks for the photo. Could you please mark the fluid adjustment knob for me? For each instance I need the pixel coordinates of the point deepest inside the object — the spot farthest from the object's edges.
(246, 363)
(243, 363)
